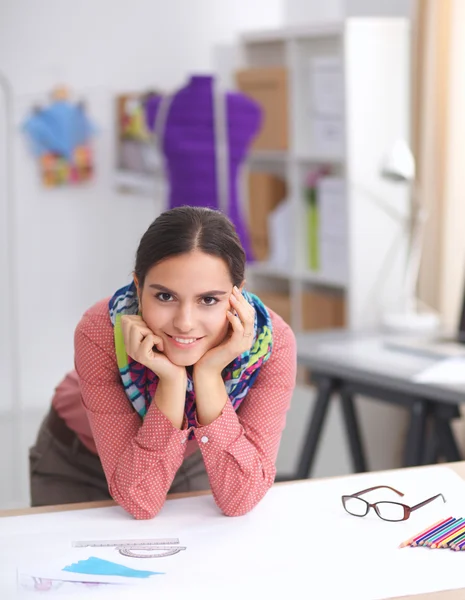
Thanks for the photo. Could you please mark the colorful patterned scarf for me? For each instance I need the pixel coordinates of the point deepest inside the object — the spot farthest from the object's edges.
(141, 383)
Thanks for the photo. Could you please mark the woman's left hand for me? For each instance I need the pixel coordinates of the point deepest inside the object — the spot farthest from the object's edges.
(239, 340)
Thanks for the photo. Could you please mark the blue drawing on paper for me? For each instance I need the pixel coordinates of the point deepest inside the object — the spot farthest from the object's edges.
(98, 566)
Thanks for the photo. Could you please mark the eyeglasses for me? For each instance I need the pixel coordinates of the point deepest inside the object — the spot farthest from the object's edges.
(388, 511)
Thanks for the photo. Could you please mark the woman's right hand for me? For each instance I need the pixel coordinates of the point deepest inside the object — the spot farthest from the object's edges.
(140, 342)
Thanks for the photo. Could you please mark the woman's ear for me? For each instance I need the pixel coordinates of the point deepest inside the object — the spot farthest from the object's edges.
(136, 282)
(241, 287)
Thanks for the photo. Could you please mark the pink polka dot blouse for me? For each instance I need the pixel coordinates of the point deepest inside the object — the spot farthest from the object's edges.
(141, 458)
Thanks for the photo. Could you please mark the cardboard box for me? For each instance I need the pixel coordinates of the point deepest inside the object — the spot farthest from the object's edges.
(260, 247)
(265, 192)
(322, 310)
(268, 87)
(278, 302)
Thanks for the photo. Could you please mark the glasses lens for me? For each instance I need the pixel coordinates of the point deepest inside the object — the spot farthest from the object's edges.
(355, 506)
(390, 511)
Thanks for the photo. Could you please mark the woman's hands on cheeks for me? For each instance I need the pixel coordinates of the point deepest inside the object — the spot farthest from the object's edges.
(140, 342)
(239, 340)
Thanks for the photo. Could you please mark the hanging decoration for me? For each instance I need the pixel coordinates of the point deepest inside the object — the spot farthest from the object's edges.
(137, 152)
(60, 137)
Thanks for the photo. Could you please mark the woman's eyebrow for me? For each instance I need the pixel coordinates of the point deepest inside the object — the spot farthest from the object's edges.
(162, 288)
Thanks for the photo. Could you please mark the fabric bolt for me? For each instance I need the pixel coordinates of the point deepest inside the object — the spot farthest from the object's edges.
(141, 458)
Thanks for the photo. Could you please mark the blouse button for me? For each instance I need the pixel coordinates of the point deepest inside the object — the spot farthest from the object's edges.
(204, 439)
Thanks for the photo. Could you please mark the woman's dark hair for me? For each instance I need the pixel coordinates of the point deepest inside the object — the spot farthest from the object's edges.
(184, 229)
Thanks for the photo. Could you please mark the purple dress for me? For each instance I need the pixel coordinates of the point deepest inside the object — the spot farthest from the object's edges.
(190, 146)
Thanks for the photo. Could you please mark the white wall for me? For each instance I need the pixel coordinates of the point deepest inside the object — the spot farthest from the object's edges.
(75, 246)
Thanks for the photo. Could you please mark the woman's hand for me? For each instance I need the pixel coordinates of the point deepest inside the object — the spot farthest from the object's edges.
(143, 346)
(239, 340)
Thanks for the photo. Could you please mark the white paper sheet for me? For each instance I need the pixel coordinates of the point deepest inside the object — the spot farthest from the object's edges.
(450, 371)
(294, 539)
(326, 86)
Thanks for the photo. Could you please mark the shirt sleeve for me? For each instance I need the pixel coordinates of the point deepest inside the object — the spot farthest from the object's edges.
(140, 458)
(240, 449)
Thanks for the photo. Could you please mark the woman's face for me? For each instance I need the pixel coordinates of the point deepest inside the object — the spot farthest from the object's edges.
(184, 301)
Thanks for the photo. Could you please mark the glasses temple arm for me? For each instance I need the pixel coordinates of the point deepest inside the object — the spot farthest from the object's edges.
(428, 501)
(377, 487)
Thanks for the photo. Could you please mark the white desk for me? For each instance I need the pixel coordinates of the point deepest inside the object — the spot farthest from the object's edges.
(210, 516)
(347, 364)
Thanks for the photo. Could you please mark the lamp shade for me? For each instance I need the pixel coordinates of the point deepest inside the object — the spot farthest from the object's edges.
(399, 164)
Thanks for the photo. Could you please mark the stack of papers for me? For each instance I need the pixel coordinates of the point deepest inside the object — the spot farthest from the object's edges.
(450, 371)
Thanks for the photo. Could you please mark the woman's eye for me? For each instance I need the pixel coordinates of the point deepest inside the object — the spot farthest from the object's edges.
(209, 301)
(164, 297)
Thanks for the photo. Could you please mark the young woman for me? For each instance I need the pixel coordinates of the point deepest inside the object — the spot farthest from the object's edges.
(182, 381)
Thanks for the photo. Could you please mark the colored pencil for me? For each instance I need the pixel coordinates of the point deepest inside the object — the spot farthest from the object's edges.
(458, 540)
(460, 546)
(453, 537)
(458, 526)
(439, 534)
(446, 523)
(424, 532)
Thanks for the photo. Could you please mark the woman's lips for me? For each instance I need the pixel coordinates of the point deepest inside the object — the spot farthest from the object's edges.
(184, 343)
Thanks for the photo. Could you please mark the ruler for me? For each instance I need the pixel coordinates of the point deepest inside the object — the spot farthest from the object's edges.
(141, 548)
(133, 543)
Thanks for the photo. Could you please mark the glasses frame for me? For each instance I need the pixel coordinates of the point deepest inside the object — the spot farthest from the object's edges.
(407, 509)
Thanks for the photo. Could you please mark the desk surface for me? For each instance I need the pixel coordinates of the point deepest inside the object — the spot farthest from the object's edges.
(458, 467)
(366, 359)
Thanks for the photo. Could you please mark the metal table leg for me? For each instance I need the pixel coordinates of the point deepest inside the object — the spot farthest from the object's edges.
(326, 387)
(431, 453)
(414, 448)
(353, 431)
(446, 440)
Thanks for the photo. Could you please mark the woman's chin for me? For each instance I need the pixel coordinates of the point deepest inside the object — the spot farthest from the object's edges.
(183, 358)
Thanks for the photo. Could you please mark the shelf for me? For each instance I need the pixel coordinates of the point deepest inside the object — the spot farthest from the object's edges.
(283, 156)
(308, 276)
(273, 156)
(314, 157)
(263, 269)
(293, 33)
(268, 270)
(136, 183)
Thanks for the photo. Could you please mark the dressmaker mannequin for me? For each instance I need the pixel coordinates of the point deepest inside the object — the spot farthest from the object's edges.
(204, 137)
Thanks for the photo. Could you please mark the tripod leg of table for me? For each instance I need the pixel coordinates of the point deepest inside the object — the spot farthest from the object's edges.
(431, 453)
(414, 448)
(446, 440)
(325, 388)
(353, 432)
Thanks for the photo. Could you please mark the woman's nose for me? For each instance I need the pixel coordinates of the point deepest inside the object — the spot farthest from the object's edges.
(183, 320)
